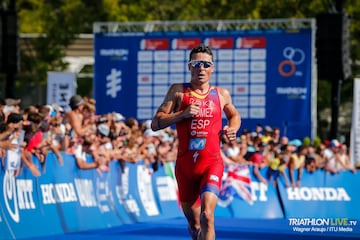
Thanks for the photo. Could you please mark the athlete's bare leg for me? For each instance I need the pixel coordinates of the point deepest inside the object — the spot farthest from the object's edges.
(192, 213)
(207, 219)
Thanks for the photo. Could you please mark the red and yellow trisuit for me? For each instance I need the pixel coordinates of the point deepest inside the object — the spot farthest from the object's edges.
(199, 166)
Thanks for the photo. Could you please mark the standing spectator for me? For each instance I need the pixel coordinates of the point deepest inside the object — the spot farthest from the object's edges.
(320, 157)
(246, 134)
(6, 142)
(89, 116)
(103, 136)
(102, 148)
(11, 106)
(132, 151)
(330, 156)
(132, 123)
(276, 135)
(148, 150)
(154, 140)
(273, 160)
(310, 159)
(296, 164)
(6, 130)
(57, 138)
(164, 150)
(258, 130)
(343, 159)
(29, 110)
(236, 152)
(33, 139)
(284, 140)
(285, 154)
(119, 128)
(258, 161)
(267, 136)
(75, 118)
(11, 155)
(83, 152)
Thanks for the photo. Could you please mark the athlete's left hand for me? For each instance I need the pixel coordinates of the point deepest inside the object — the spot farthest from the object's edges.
(230, 133)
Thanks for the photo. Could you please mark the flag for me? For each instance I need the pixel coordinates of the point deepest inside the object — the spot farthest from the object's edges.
(236, 184)
(169, 171)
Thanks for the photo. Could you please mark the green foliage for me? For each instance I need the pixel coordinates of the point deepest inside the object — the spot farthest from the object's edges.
(324, 94)
(55, 23)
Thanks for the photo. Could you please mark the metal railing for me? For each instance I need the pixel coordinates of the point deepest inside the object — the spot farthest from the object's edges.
(213, 25)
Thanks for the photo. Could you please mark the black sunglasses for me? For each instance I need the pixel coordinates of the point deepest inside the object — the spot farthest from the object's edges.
(198, 64)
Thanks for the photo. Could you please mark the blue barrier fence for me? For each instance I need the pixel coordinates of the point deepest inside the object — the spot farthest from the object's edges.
(66, 199)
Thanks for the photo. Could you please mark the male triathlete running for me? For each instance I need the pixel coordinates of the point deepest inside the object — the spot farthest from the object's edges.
(196, 109)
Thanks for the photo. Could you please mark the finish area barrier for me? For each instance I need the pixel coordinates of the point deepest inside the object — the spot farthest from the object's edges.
(66, 199)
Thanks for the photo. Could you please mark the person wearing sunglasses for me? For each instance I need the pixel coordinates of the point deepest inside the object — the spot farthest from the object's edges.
(196, 110)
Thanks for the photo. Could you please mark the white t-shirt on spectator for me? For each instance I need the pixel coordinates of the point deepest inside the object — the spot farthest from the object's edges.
(79, 153)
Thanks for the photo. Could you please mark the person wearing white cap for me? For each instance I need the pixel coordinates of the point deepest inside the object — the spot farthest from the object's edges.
(118, 117)
(119, 126)
(330, 156)
(11, 106)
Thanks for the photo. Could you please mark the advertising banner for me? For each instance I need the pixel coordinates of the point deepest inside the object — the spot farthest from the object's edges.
(74, 200)
(140, 197)
(322, 195)
(5, 228)
(165, 189)
(118, 186)
(268, 73)
(22, 206)
(61, 86)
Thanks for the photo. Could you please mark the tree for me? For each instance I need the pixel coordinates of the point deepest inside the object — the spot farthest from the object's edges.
(57, 23)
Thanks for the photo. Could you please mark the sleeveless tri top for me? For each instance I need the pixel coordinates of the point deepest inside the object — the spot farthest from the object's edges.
(199, 136)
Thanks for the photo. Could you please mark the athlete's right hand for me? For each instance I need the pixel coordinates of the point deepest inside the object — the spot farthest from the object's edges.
(191, 111)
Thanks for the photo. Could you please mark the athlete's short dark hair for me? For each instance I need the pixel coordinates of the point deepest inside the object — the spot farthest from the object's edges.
(202, 48)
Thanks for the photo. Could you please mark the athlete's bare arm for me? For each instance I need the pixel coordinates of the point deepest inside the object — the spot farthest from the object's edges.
(168, 113)
(232, 115)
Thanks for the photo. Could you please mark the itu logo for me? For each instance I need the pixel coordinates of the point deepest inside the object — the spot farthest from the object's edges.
(17, 195)
(293, 57)
(10, 197)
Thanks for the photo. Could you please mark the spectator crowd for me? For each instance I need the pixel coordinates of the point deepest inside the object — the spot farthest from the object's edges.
(28, 134)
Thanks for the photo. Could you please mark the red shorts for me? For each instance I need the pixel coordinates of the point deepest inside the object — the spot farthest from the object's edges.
(199, 178)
